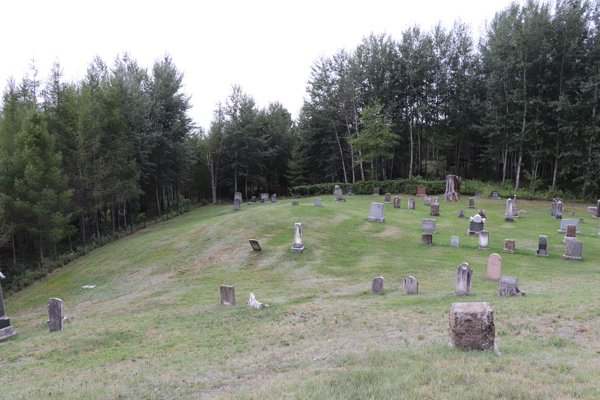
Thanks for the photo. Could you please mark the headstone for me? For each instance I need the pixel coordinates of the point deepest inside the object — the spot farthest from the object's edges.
(317, 202)
(340, 198)
(6, 329)
(483, 239)
(573, 250)
(428, 224)
(377, 284)
(298, 246)
(350, 191)
(376, 191)
(435, 210)
(471, 202)
(564, 223)
(476, 225)
(238, 195)
(464, 275)
(478, 193)
(396, 202)
(264, 196)
(514, 207)
(55, 314)
(295, 203)
(236, 204)
(510, 245)
(262, 200)
(411, 204)
(481, 213)
(254, 199)
(472, 326)
(508, 214)
(573, 214)
(427, 200)
(427, 239)
(581, 220)
(592, 209)
(509, 287)
(227, 295)
(2, 312)
(460, 214)
(597, 209)
(543, 246)
(376, 213)
(494, 267)
(255, 245)
(495, 194)
(338, 191)
(421, 191)
(387, 198)
(557, 209)
(273, 198)
(435, 201)
(252, 302)
(571, 233)
(455, 241)
(411, 285)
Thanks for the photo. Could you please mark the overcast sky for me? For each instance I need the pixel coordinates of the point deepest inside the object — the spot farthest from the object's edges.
(265, 46)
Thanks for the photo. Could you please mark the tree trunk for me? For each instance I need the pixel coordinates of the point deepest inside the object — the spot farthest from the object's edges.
(246, 185)
(362, 171)
(410, 167)
(555, 165)
(352, 155)
(41, 252)
(158, 213)
(14, 251)
(504, 162)
(81, 216)
(337, 137)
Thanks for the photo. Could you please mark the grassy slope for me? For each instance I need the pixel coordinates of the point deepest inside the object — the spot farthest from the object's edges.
(152, 328)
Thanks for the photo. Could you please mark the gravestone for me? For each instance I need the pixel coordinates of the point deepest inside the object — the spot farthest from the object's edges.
(55, 314)
(338, 191)
(476, 225)
(455, 241)
(262, 200)
(494, 267)
(514, 207)
(571, 233)
(508, 214)
(252, 302)
(581, 221)
(464, 275)
(317, 202)
(597, 209)
(471, 202)
(350, 192)
(573, 214)
(2, 312)
(435, 201)
(376, 191)
(238, 196)
(254, 244)
(573, 251)
(495, 194)
(236, 204)
(510, 245)
(592, 209)
(460, 214)
(509, 287)
(377, 285)
(298, 246)
(387, 198)
(295, 203)
(478, 193)
(340, 198)
(264, 196)
(376, 213)
(227, 295)
(543, 246)
(435, 210)
(428, 225)
(396, 202)
(559, 210)
(483, 239)
(427, 200)
(411, 285)
(411, 204)
(564, 223)
(6, 329)
(273, 198)
(427, 239)
(481, 213)
(254, 199)
(472, 326)
(421, 191)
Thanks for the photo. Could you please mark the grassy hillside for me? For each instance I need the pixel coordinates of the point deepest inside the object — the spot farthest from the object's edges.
(153, 326)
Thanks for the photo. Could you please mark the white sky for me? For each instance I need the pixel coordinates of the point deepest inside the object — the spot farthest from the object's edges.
(265, 46)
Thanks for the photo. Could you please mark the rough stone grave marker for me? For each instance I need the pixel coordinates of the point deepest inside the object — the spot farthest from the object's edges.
(435, 201)
(350, 192)
(236, 204)
(427, 200)
(483, 239)
(397, 202)
(377, 284)
(411, 204)
(471, 202)
(435, 210)
(495, 194)
(509, 287)
(428, 224)
(592, 209)
(317, 202)
(227, 295)
(376, 213)
(510, 245)
(295, 203)
(460, 214)
(56, 316)
(421, 191)
(472, 326)
(376, 191)
(254, 199)
(298, 246)
(573, 251)
(338, 191)
(571, 233)
(494, 267)
(6, 329)
(411, 285)
(464, 275)
(564, 223)
(273, 198)
(427, 239)
(255, 245)
(455, 241)
(252, 302)
(387, 198)
(508, 214)
(543, 246)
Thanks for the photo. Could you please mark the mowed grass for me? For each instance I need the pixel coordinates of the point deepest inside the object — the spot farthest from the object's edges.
(153, 327)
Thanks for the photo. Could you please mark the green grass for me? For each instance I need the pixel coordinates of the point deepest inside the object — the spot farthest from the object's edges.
(153, 327)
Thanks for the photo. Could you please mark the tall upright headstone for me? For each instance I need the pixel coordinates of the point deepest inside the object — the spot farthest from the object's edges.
(514, 207)
(317, 202)
(597, 209)
(427, 200)
(435, 201)
(377, 285)
(397, 202)
(464, 275)
(494, 268)
(227, 295)
(273, 198)
(376, 213)
(411, 204)
(238, 195)
(6, 329)
(55, 314)
(573, 251)
(435, 210)
(236, 204)
(455, 241)
(508, 214)
(483, 239)
(298, 246)
(471, 202)
(411, 285)
(543, 246)
(387, 198)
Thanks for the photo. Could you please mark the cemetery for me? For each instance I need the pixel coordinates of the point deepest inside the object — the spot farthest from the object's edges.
(450, 299)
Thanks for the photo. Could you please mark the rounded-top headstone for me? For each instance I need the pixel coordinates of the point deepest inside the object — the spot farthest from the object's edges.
(494, 268)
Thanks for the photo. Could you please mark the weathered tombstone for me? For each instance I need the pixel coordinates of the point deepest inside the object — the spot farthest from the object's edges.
(471, 202)
(254, 199)
(557, 209)
(581, 220)
(427, 239)
(295, 203)
(377, 284)
(6, 329)
(464, 275)
(340, 198)
(252, 302)
(264, 196)
(227, 295)
(428, 224)
(495, 194)
(350, 192)
(481, 213)
(435, 210)
(427, 200)
(543, 246)
(396, 202)
(317, 202)
(478, 193)
(376, 213)
(573, 214)
(255, 245)
(510, 245)
(387, 198)
(494, 267)
(472, 326)
(573, 251)
(273, 198)
(564, 223)
(238, 195)
(1, 298)
(411, 204)
(376, 191)
(55, 314)
(483, 239)
(411, 285)
(298, 246)
(262, 200)
(509, 287)
(338, 191)
(508, 215)
(597, 209)
(421, 191)
(460, 214)
(435, 201)
(514, 207)
(455, 241)
(571, 233)
(592, 209)
(476, 225)
(236, 204)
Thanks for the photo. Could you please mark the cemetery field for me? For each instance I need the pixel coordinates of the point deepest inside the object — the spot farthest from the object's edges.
(152, 328)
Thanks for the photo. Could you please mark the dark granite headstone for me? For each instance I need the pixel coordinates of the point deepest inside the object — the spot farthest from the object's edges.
(495, 194)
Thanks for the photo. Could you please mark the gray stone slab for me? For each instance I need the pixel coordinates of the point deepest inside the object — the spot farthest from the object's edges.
(387, 198)
(397, 202)
(227, 295)
(510, 245)
(464, 275)
(376, 212)
(471, 202)
(564, 223)
(298, 246)
(428, 224)
(411, 204)
(411, 285)
(483, 239)
(295, 203)
(377, 285)
(236, 204)
(455, 241)
(376, 191)
(55, 314)
(472, 326)
(509, 287)
(573, 250)
(543, 246)
(317, 202)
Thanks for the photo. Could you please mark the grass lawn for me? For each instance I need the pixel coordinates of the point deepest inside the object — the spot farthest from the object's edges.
(153, 327)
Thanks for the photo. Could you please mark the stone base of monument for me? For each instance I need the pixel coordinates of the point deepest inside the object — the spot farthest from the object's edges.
(566, 257)
(508, 218)
(375, 219)
(472, 326)
(7, 332)
(4, 322)
(297, 249)
(543, 253)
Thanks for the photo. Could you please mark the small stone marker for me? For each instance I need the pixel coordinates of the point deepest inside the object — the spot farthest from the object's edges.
(317, 202)
(55, 314)
(427, 200)
(455, 241)
(255, 245)
(236, 204)
(411, 285)
(295, 203)
(227, 295)
(564, 223)
(428, 224)
(495, 194)
(350, 192)
(88, 286)
(543, 246)
(273, 198)
(573, 251)
(571, 233)
(483, 239)
(472, 326)
(421, 191)
(427, 239)
(254, 199)
(464, 275)
(338, 191)
(377, 284)
(252, 302)
(340, 198)
(411, 204)
(262, 200)
(376, 213)
(510, 245)
(573, 214)
(494, 267)
(387, 198)
(298, 246)
(460, 214)
(435, 210)
(471, 202)
(396, 202)
(376, 191)
(508, 287)
(478, 193)
(6, 329)
(581, 220)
